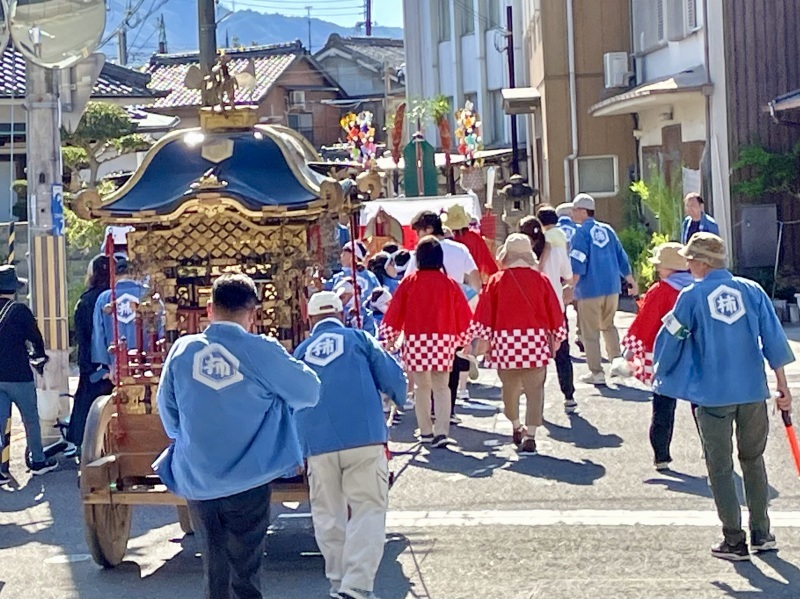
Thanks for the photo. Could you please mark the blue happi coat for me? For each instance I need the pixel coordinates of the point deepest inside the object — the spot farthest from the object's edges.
(712, 346)
(354, 371)
(707, 225)
(128, 295)
(598, 258)
(226, 398)
(568, 226)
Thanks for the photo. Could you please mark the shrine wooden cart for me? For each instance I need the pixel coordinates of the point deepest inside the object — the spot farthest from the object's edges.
(230, 196)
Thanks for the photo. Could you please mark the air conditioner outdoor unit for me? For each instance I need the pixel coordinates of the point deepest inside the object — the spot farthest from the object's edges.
(615, 68)
(297, 99)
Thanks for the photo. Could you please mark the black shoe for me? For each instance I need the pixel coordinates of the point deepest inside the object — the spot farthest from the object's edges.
(441, 441)
(732, 553)
(4, 478)
(426, 438)
(44, 467)
(760, 542)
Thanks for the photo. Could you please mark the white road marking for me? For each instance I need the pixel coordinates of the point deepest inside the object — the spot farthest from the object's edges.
(439, 518)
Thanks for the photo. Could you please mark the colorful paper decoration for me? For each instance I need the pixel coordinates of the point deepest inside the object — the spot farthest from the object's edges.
(468, 133)
(360, 137)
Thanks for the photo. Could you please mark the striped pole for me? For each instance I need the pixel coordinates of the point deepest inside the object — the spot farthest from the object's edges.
(5, 458)
(11, 239)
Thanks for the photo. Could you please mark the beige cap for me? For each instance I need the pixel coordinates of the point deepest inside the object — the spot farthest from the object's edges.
(324, 302)
(517, 247)
(456, 217)
(584, 201)
(667, 255)
(706, 247)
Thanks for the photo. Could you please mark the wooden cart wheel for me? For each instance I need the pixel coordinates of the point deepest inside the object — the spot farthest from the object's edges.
(185, 520)
(107, 527)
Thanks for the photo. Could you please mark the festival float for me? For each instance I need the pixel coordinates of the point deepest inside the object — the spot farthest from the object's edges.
(230, 196)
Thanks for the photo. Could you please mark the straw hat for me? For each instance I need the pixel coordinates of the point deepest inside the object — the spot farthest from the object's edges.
(706, 247)
(457, 217)
(517, 247)
(667, 255)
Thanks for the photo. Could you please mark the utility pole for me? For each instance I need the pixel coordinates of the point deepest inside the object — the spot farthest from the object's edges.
(308, 20)
(207, 19)
(122, 37)
(46, 241)
(512, 84)
(162, 36)
(368, 17)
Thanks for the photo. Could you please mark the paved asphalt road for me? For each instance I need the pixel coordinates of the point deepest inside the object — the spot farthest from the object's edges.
(587, 518)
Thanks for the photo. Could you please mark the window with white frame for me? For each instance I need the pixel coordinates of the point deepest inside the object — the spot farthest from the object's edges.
(598, 175)
(649, 25)
(443, 8)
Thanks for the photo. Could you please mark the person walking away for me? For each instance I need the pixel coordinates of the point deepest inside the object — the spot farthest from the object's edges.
(431, 312)
(696, 218)
(91, 385)
(519, 315)
(459, 265)
(565, 222)
(344, 439)
(365, 279)
(673, 272)
(346, 291)
(18, 329)
(247, 386)
(711, 352)
(377, 266)
(599, 261)
(128, 294)
(568, 228)
(550, 246)
(459, 223)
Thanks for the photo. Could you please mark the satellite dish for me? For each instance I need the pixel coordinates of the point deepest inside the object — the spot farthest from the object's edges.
(3, 28)
(56, 34)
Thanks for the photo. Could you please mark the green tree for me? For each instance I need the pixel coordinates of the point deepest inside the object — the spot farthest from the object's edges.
(765, 172)
(104, 133)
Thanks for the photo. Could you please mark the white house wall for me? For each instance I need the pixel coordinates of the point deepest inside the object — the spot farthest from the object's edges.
(469, 63)
(689, 114)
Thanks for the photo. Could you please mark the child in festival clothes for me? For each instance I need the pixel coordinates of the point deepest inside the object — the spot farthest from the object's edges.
(519, 314)
(655, 305)
(430, 311)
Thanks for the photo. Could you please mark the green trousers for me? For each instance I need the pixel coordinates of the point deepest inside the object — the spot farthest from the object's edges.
(716, 430)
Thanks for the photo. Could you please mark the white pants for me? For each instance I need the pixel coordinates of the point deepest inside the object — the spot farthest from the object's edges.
(358, 478)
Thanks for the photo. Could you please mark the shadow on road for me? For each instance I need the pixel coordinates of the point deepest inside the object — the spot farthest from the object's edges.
(583, 473)
(688, 484)
(767, 587)
(582, 433)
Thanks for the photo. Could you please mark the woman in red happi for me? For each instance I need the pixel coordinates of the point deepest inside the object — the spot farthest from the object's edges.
(431, 312)
(520, 316)
(654, 306)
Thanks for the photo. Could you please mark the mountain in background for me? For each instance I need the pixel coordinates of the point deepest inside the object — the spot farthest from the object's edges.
(245, 26)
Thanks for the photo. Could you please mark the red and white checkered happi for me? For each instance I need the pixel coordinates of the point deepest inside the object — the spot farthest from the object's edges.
(519, 348)
(643, 359)
(430, 352)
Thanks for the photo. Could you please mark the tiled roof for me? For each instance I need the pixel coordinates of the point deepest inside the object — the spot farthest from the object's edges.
(169, 70)
(379, 51)
(114, 81)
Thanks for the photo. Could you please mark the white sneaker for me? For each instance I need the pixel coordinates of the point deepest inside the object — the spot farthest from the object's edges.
(71, 451)
(621, 368)
(464, 395)
(593, 379)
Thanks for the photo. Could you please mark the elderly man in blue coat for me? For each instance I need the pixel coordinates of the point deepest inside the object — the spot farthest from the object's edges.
(344, 439)
(226, 398)
(696, 221)
(711, 352)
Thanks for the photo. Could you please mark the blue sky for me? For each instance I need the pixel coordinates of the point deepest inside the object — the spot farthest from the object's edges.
(388, 13)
